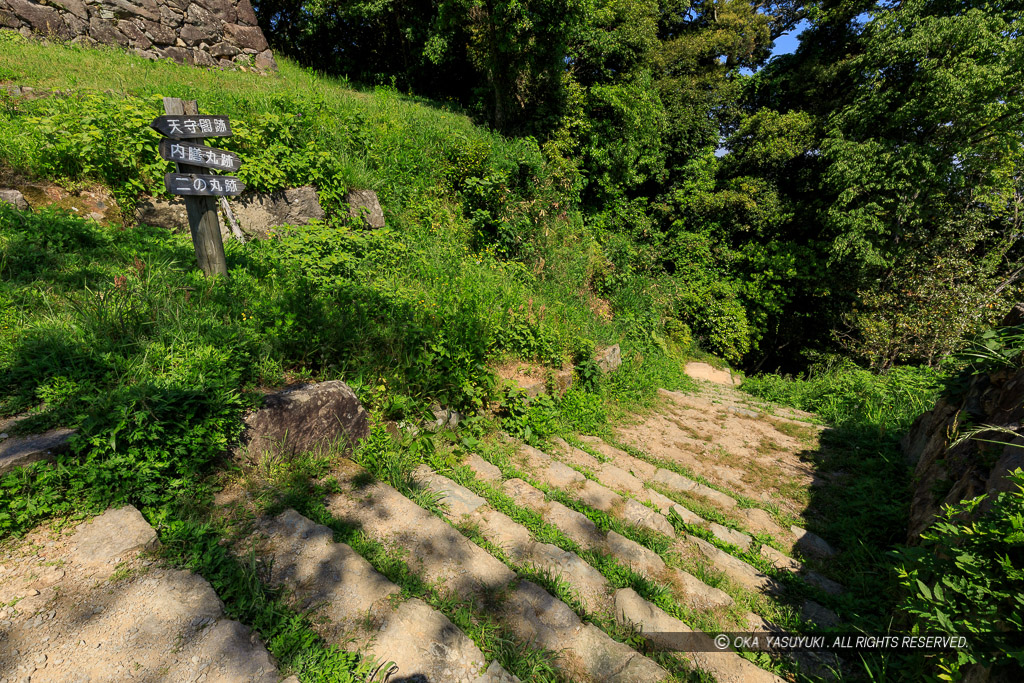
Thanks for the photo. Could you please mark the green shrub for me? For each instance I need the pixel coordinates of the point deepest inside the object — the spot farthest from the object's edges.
(846, 394)
(967, 578)
(529, 419)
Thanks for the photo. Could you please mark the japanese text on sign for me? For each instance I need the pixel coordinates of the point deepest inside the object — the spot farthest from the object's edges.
(179, 127)
(201, 184)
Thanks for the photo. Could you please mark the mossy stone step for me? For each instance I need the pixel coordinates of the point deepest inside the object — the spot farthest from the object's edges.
(357, 601)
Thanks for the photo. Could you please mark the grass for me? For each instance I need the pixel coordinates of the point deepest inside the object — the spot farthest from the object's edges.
(110, 329)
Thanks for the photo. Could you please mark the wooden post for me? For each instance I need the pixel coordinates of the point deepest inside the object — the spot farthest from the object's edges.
(202, 211)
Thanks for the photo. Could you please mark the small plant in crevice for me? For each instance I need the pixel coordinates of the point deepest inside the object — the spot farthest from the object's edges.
(528, 419)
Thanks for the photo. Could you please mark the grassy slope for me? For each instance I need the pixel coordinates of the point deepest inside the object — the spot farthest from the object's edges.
(114, 331)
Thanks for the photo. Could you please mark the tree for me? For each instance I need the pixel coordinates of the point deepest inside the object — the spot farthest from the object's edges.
(924, 165)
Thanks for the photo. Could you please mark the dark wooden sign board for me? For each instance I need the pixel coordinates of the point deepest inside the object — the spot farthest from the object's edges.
(202, 210)
(188, 127)
(203, 185)
(183, 152)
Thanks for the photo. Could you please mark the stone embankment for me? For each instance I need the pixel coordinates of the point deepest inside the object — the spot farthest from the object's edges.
(207, 33)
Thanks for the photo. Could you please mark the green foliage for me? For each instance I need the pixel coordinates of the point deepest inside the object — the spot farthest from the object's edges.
(967, 578)
(847, 395)
(529, 419)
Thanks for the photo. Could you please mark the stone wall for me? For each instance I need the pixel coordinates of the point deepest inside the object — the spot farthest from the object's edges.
(203, 33)
(947, 474)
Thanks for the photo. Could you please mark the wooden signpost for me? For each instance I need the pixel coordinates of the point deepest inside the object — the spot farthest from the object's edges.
(185, 130)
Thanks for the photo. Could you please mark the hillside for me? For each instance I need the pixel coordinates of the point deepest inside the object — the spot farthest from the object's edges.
(538, 537)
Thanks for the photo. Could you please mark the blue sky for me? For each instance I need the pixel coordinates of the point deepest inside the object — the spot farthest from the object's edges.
(787, 42)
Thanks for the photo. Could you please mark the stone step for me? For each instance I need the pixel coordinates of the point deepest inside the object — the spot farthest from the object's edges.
(584, 532)
(88, 605)
(599, 497)
(19, 451)
(515, 540)
(586, 652)
(553, 473)
(436, 551)
(446, 558)
(662, 628)
(755, 519)
(755, 580)
(335, 582)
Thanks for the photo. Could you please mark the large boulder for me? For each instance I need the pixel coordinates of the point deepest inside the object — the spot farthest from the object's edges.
(162, 213)
(308, 417)
(363, 204)
(258, 213)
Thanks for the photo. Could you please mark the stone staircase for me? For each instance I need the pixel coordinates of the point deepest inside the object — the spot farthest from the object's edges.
(589, 556)
(513, 536)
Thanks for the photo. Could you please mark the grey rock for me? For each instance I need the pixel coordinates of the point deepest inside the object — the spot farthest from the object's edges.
(132, 31)
(171, 18)
(162, 213)
(104, 541)
(609, 359)
(258, 213)
(811, 544)
(365, 205)
(197, 15)
(159, 33)
(8, 19)
(265, 60)
(18, 451)
(246, 36)
(222, 10)
(178, 54)
(246, 15)
(223, 49)
(202, 58)
(40, 18)
(194, 34)
(14, 198)
(76, 7)
(147, 9)
(308, 417)
(105, 32)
